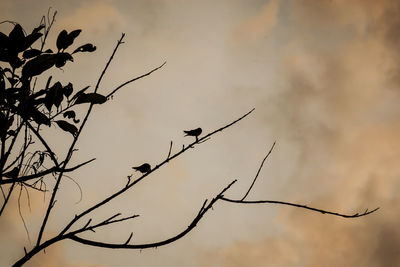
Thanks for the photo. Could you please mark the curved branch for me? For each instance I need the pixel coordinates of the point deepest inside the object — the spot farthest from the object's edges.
(128, 186)
(356, 215)
(203, 210)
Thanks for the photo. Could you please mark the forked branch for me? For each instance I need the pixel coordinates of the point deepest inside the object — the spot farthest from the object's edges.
(243, 201)
(125, 245)
(130, 185)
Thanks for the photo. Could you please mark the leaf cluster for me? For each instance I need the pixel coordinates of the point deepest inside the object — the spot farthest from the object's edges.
(23, 64)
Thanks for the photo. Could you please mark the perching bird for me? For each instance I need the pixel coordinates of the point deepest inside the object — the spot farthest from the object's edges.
(195, 133)
(144, 168)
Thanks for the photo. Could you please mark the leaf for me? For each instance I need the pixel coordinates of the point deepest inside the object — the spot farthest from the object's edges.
(3, 41)
(62, 58)
(70, 114)
(12, 81)
(38, 65)
(38, 29)
(17, 38)
(30, 53)
(31, 39)
(16, 62)
(5, 123)
(53, 96)
(64, 40)
(11, 132)
(49, 98)
(68, 89)
(93, 98)
(79, 93)
(74, 34)
(58, 97)
(39, 117)
(61, 39)
(85, 48)
(2, 82)
(68, 127)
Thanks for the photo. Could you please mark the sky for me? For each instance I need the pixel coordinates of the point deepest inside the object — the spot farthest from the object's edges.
(323, 79)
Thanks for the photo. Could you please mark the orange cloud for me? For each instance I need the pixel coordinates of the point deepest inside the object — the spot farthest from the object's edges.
(95, 16)
(259, 25)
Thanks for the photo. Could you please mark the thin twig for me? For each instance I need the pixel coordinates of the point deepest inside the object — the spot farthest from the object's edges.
(22, 217)
(7, 198)
(258, 172)
(102, 223)
(169, 151)
(135, 79)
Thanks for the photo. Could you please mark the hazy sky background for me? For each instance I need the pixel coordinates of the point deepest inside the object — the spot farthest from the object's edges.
(324, 79)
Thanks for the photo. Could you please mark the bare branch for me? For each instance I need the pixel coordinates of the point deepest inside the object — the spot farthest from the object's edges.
(128, 186)
(135, 79)
(43, 173)
(298, 206)
(39, 136)
(170, 148)
(21, 216)
(50, 23)
(129, 238)
(32, 186)
(258, 172)
(7, 154)
(19, 168)
(7, 198)
(203, 210)
(71, 149)
(103, 223)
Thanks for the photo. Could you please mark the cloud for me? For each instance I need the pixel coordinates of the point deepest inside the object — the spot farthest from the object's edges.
(93, 16)
(56, 256)
(259, 25)
(335, 104)
(325, 84)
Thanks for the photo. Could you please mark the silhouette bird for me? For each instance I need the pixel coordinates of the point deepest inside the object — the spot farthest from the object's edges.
(194, 132)
(144, 168)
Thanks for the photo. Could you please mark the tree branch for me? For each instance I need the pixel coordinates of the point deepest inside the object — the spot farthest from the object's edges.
(203, 210)
(366, 212)
(258, 172)
(43, 173)
(128, 186)
(7, 198)
(39, 136)
(106, 222)
(71, 149)
(135, 79)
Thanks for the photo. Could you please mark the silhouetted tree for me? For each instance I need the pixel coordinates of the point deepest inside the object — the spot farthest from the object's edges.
(28, 110)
